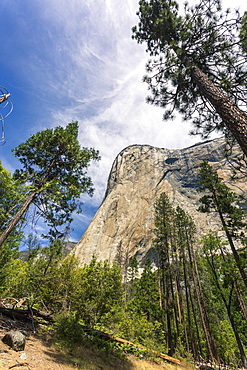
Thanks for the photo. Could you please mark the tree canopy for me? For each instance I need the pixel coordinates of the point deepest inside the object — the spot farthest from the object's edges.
(198, 65)
(55, 169)
(243, 32)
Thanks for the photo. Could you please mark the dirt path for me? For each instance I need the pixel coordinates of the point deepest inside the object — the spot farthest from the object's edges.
(37, 355)
(40, 354)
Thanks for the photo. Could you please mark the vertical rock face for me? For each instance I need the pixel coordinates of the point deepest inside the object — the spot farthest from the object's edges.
(123, 226)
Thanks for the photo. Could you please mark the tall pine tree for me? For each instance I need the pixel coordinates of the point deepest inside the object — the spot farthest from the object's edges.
(198, 64)
(219, 198)
(55, 167)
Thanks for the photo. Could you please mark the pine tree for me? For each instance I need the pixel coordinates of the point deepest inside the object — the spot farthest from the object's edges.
(54, 166)
(224, 280)
(174, 244)
(221, 199)
(243, 32)
(198, 64)
(164, 214)
(187, 227)
(146, 297)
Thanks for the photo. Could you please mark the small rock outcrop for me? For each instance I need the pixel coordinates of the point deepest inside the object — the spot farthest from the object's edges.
(15, 340)
(123, 226)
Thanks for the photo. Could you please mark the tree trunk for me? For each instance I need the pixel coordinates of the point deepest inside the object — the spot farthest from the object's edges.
(241, 301)
(27, 203)
(17, 218)
(229, 314)
(208, 336)
(191, 339)
(238, 293)
(232, 116)
(234, 251)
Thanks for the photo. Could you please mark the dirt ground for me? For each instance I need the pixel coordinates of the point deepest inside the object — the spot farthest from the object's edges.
(40, 353)
(37, 355)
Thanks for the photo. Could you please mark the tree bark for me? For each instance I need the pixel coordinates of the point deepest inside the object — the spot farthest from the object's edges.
(17, 218)
(229, 314)
(232, 116)
(234, 251)
(212, 351)
(27, 203)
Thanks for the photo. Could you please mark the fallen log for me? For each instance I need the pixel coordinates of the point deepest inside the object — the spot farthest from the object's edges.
(121, 340)
(158, 354)
(30, 313)
(25, 314)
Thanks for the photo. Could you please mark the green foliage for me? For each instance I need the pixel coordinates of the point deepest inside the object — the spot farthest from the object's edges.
(146, 295)
(11, 197)
(243, 32)
(135, 327)
(69, 334)
(11, 193)
(227, 343)
(218, 197)
(17, 279)
(201, 36)
(32, 247)
(52, 282)
(55, 167)
(99, 290)
(225, 282)
(57, 284)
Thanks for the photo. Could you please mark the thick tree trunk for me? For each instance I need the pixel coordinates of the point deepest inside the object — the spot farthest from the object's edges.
(232, 116)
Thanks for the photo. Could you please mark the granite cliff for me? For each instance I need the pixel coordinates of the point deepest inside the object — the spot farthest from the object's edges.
(123, 226)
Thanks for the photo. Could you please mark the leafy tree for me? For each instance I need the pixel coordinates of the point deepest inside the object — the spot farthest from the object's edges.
(47, 280)
(17, 282)
(54, 166)
(135, 327)
(221, 199)
(11, 196)
(43, 275)
(198, 66)
(99, 290)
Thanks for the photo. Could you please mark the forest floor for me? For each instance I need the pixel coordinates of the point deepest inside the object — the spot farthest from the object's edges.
(41, 352)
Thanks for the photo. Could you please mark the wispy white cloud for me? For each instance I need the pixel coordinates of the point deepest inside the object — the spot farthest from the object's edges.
(100, 70)
(78, 62)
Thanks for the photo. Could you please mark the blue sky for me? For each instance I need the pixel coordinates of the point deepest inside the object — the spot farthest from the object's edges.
(75, 60)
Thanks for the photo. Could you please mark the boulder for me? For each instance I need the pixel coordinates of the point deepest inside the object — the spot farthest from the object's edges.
(15, 340)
